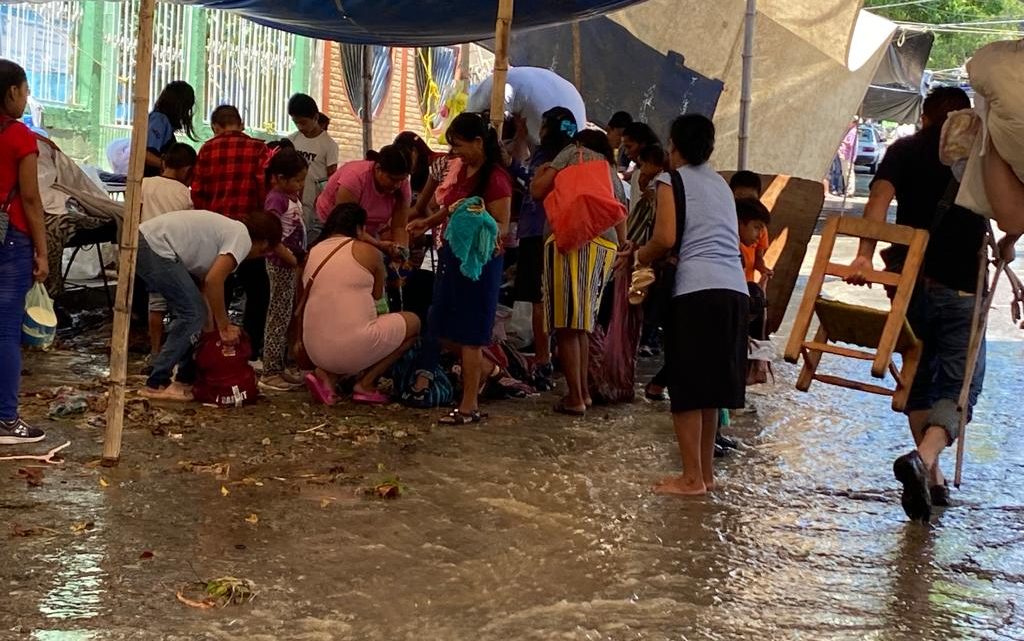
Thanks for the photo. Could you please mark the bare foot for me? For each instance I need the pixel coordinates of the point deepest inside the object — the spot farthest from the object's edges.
(710, 487)
(678, 485)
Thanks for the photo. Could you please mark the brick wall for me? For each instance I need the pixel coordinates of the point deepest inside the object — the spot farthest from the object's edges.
(399, 112)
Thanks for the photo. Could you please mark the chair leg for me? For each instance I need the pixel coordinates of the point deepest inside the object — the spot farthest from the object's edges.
(103, 276)
(67, 270)
(911, 361)
(811, 359)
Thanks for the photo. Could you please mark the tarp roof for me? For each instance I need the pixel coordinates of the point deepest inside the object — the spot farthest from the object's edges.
(898, 89)
(406, 22)
(813, 62)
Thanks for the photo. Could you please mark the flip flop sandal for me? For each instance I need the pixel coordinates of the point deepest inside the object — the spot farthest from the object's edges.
(370, 398)
(168, 393)
(561, 408)
(455, 417)
(321, 393)
(651, 396)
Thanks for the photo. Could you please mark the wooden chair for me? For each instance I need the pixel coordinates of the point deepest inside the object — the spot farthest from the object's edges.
(884, 332)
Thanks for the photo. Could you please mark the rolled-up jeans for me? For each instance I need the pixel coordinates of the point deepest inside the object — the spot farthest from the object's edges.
(15, 281)
(170, 279)
(942, 318)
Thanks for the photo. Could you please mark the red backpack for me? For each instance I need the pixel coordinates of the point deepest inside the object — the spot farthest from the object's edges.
(223, 374)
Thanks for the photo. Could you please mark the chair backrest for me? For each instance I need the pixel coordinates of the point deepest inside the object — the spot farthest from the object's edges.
(915, 239)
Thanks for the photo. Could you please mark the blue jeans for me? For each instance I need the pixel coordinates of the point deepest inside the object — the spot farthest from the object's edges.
(185, 302)
(15, 280)
(941, 318)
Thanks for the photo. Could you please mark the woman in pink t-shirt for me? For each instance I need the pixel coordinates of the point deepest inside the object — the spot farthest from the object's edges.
(381, 187)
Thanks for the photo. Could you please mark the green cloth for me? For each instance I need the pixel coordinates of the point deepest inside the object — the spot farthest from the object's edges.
(472, 235)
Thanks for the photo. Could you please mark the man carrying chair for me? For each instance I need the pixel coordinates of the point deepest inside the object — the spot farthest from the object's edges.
(941, 311)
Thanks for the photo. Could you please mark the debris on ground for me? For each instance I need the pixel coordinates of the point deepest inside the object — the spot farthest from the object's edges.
(220, 470)
(33, 476)
(32, 530)
(217, 593)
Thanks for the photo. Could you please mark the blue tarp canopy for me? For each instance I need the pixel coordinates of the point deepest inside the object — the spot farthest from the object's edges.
(406, 22)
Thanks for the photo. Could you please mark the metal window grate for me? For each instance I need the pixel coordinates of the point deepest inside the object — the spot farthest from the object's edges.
(172, 42)
(352, 66)
(249, 66)
(43, 38)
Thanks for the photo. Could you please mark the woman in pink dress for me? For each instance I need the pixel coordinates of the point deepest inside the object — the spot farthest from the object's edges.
(342, 333)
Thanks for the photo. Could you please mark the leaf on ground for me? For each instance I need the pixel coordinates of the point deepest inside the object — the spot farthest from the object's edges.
(205, 604)
(33, 475)
(220, 470)
(82, 526)
(224, 491)
(32, 530)
(325, 502)
(103, 482)
(252, 519)
(146, 554)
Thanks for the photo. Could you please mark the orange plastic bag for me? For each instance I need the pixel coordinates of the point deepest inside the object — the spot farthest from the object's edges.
(582, 205)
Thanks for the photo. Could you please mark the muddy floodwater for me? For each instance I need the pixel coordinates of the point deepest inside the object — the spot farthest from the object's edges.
(530, 526)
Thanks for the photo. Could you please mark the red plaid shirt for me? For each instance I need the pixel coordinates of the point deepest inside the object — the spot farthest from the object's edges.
(229, 175)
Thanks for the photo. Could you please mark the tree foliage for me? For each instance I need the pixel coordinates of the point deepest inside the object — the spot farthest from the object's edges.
(953, 49)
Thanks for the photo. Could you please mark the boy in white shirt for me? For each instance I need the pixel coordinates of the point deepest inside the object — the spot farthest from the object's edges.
(162, 194)
(320, 151)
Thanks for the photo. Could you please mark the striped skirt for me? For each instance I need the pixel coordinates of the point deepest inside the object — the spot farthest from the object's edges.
(574, 282)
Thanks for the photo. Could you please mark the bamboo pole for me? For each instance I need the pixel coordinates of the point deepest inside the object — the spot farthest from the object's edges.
(502, 30)
(367, 55)
(129, 247)
(982, 305)
(746, 86)
(577, 57)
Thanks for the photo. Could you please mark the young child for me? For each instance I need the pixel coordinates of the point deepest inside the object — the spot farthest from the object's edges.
(320, 151)
(160, 195)
(179, 250)
(753, 225)
(747, 184)
(286, 177)
(651, 162)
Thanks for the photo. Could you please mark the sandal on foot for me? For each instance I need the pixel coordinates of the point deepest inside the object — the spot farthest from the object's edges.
(370, 398)
(561, 408)
(651, 396)
(321, 392)
(455, 417)
(173, 392)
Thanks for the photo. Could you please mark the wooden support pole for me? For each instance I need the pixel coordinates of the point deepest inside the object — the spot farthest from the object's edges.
(577, 57)
(129, 246)
(746, 86)
(982, 304)
(502, 31)
(367, 53)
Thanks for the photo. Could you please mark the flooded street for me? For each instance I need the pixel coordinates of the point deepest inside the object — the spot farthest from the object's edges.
(528, 527)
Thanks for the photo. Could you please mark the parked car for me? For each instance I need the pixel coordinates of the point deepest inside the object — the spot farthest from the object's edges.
(870, 148)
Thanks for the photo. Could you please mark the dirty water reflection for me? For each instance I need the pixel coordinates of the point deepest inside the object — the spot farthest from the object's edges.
(539, 528)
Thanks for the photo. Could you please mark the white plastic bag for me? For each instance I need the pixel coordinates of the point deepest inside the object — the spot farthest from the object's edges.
(39, 325)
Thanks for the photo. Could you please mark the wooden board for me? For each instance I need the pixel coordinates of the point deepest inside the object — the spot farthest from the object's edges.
(795, 204)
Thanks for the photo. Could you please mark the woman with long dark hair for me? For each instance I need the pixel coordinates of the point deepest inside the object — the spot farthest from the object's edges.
(171, 113)
(342, 331)
(558, 126)
(576, 279)
(22, 244)
(463, 309)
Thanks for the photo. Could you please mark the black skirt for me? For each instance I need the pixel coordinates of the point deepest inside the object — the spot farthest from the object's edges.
(706, 350)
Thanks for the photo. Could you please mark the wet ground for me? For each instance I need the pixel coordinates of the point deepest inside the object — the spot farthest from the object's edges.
(529, 527)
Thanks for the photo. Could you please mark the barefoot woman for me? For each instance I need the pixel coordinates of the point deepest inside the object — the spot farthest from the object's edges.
(705, 331)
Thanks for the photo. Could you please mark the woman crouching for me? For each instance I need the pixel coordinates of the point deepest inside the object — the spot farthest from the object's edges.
(342, 333)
